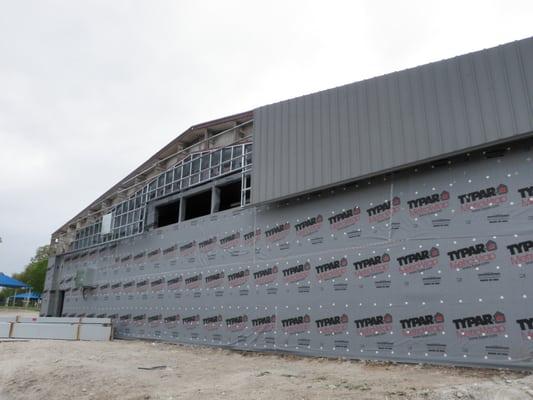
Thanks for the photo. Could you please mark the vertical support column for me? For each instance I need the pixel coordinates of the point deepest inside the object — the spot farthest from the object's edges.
(215, 199)
(183, 205)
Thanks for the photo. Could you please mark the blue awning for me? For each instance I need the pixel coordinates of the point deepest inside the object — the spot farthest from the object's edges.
(6, 281)
(27, 296)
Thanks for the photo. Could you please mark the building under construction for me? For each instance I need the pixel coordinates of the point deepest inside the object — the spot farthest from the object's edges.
(390, 218)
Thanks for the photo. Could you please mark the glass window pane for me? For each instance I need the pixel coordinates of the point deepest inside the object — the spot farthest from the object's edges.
(205, 161)
(169, 176)
(226, 154)
(186, 169)
(160, 180)
(215, 158)
(195, 166)
(237, 159)
(195, 179)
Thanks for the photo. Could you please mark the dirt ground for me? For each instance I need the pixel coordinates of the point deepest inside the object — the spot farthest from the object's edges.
(144, 370)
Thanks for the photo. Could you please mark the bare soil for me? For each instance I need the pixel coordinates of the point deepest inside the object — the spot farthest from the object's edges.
(144, 370)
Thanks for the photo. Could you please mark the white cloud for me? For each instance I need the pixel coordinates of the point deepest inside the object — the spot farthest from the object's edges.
(89, 90)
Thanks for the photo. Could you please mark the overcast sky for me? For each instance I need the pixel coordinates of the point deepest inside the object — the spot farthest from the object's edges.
(90, 89)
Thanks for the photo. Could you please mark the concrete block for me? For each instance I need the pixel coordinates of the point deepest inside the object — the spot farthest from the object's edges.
(45, 331)
(95, 332)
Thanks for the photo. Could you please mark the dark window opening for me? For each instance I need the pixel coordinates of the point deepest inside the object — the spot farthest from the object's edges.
(230, 196)
(198, 205)
(167, 214)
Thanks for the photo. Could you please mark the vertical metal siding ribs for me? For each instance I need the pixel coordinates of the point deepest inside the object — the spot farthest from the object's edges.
(386, 122)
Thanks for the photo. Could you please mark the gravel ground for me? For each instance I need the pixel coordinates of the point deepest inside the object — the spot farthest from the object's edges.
(47, 369)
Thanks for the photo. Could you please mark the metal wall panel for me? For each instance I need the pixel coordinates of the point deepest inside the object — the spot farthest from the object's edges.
(383, 123)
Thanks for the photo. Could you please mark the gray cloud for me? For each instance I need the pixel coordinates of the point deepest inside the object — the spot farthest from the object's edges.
(90, 89)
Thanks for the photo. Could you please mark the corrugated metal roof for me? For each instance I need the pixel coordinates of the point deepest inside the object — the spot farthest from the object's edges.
(385, 123)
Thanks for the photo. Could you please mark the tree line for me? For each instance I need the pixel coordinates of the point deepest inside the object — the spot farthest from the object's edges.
(33, 274)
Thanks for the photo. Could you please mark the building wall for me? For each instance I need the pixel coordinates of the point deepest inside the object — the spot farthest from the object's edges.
(372, 126)
(431, 264)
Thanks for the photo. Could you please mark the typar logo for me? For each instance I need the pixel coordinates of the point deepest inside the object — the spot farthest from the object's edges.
(521, 253)
(266, 276)
(251, 238)
(483, 199)
(155, 320)
(208, 245)
(426, 205)
(297, 324)
(154, 254)
(142, 285)
(372, 266)
(191, 322)
(419, 261)
(309, 226)
(424, 325)
(124, 319)
(157, 285)
(332, 325)
(139, 320)
(235, 324)
(116, 287)
(374, 326)
(264, 324)
(170, 252)
(129, 286)
(296, 273)
(384, 211)
(526, 194)
(277, 233)
(215, 280)
(193, 282)
(332, 269)
(526, 328)
(212, 323)
(345, 218)
(230, 241)
(188, 249)
(480, 326)
(172, 321)
(174, 283)
(238, 278)
(473, 256)
(139, 257)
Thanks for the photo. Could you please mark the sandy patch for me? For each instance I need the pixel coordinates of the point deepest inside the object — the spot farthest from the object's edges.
(110, 370)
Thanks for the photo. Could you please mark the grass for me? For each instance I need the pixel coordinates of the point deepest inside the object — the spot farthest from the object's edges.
(15, 308)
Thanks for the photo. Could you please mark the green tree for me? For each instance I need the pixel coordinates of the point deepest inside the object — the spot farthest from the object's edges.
(34, 274)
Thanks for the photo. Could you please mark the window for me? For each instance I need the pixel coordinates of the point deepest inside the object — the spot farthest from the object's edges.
(226, 157)
(215, 163)
(167, 214)
(230, 196)
(198, 205)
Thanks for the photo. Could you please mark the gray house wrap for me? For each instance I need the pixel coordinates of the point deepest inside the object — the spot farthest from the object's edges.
(432, 266)
(369, 127)
(390, 219)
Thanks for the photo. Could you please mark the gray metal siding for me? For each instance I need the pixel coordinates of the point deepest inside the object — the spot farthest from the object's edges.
(386, 122)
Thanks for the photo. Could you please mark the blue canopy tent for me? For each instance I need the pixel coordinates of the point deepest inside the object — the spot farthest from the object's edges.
(6, 281)
(27, 296)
